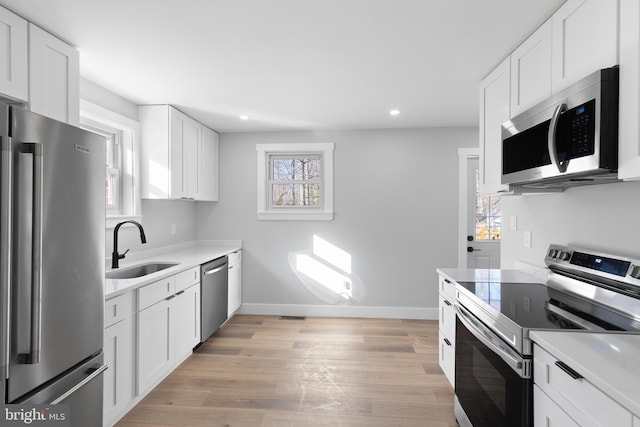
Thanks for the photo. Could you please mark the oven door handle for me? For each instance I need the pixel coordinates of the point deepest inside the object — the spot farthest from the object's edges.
(486, 337)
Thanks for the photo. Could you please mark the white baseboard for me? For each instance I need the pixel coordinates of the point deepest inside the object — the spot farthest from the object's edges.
(340, 311)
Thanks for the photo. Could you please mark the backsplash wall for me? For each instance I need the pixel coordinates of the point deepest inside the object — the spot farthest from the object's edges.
(601, 217)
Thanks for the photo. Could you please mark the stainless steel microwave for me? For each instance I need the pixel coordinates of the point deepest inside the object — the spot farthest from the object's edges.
(567, 140)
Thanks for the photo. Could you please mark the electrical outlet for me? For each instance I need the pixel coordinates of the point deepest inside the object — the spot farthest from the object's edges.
(514, 222)
(173, 229)
(527, 239)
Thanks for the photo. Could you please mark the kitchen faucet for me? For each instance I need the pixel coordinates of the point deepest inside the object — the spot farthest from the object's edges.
(115, 256)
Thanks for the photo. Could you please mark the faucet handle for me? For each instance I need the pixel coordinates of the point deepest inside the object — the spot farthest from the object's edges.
(120, 256)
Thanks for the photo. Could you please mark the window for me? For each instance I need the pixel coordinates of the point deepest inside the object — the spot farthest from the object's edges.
(113, 160)
(488, 218)
(295, 181)
(122, 196)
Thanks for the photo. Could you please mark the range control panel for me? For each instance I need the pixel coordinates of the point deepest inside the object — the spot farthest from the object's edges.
(605, 265)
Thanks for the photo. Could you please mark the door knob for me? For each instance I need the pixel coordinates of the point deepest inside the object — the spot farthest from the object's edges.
(471, 249)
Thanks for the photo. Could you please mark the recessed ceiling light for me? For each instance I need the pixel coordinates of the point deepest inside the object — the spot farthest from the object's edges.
(394, 112)
(244, 117)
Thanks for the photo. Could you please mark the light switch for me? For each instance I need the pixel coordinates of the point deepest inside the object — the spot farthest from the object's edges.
(514, 222)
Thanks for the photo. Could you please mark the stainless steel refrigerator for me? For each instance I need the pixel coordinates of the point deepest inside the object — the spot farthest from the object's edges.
(52, 212)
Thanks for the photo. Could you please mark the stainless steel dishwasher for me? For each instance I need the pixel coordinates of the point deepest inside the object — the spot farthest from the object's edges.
(214, 296)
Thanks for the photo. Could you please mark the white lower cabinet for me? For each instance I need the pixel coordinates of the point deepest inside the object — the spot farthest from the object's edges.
(169, 328)
(447, 329)
(636, 422)
(154, 344)
(559, 384)
(119, 357)
(235, 282)
(186, 323)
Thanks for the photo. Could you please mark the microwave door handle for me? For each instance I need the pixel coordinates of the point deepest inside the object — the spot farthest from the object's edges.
(552, 142)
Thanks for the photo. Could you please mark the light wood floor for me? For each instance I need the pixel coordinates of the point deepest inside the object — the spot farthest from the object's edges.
(278, 372)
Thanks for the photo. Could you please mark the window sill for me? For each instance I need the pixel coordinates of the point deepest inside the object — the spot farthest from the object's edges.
(113, 220)
(301, 216)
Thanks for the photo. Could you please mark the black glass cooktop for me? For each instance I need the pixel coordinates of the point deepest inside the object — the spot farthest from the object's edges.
(533, 305)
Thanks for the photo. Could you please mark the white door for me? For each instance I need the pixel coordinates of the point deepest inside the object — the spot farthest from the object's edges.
(480, 228)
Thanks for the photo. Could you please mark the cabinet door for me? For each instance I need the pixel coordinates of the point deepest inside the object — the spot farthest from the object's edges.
(447, 355)
(585, 39)
(629, 137)
(13, 56)
(546, 413)
(531, 70)
(54, 77)
(118, 384)
(186, 321)
(192, 171)
(155, 352)
(209, 165)
(177, 128)
(494, 110)
(636, 422)
(235, 288)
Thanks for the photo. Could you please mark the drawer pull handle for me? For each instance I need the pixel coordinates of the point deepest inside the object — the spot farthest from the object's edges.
(447, 280)
(447, 302)
(573, 374)
(170, 298)
(447, 342)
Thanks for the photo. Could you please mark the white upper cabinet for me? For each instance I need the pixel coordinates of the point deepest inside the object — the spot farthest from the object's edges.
(54, 77)
(629, 133)
(179, 156)
(210, 142)
(531, 70)
(13, 56)
(585, 39)
(494, 110)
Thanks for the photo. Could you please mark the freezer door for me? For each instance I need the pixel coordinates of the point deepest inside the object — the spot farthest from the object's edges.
(57, 282)
(80, 390)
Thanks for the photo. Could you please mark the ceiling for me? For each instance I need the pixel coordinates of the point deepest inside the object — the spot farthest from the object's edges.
(294, 64)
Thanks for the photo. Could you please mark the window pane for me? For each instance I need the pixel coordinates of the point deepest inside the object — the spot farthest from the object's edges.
(295, 169)
(488, 215)
(287, 195)
(112, 188)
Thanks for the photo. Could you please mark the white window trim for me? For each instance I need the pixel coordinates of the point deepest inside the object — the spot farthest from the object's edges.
(130, 185)
(325, 212)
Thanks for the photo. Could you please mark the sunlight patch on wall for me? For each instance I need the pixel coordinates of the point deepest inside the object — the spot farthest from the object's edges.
(332, 254)
(326, 271)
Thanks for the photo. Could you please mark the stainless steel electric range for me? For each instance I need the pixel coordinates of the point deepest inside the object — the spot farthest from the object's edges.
(585, 290)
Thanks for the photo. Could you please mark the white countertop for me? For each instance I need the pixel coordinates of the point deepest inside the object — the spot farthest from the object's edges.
(609, 361)
(186, 258)
(487, 275)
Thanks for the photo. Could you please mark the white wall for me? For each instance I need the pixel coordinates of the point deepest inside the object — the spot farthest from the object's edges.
(396, 195)
(603, 217)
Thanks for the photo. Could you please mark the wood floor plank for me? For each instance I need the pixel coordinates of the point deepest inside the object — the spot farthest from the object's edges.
(268, 371)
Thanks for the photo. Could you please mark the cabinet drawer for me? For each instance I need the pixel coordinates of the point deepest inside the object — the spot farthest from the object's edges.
(447, 316)
(583, 402)
(187, 278)
(235, 257)
(116, 309)
(156, 292)
(448, 287)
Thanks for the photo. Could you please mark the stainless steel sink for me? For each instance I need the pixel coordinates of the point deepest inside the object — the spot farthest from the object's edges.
(139, 270)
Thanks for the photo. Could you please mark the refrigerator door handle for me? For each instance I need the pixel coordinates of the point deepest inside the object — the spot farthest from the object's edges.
(94, 374)
(36, 153)
(6, 168)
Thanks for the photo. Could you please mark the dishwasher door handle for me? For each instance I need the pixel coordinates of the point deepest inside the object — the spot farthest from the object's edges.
(215, 270)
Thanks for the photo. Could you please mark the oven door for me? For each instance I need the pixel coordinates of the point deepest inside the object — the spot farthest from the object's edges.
(493, 383)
